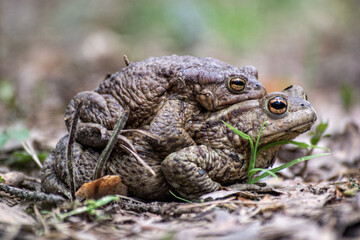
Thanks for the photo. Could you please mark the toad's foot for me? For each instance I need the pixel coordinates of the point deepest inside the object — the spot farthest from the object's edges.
(191, 170)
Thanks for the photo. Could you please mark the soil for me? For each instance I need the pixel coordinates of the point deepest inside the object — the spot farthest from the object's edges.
(324, 203)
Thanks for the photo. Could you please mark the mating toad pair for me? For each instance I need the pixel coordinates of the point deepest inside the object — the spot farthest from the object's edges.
(183, 101)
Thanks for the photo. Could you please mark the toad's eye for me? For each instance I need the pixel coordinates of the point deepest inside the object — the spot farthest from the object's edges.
(237, 84)
(277, 105)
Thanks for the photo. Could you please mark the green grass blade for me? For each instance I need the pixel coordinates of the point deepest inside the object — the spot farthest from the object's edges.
(252, 159)
(254, 153)
(259, 135)
(289, 164)
(241, 134)
(305, 145)
(247, 137)
(253, 171)
(299, 144)
(91, 205)
(180, 198)
(105, 200)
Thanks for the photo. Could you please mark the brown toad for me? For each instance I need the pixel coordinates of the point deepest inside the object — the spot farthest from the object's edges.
(220, 158)
(154, 90)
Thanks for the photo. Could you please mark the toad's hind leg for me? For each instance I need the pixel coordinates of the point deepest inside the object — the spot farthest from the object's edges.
(55, 174)
(193, 171)
(98, 114)
(50, 181)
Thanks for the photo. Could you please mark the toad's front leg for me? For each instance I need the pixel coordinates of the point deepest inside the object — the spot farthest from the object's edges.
(97, 117)
(169, 125)
(197, 170)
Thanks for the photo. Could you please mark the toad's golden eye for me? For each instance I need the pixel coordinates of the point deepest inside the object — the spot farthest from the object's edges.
(277, 105)
(237, 84)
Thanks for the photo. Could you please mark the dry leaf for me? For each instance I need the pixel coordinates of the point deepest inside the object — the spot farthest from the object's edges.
(107, 185)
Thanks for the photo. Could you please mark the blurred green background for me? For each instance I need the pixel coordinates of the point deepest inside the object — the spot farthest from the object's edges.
(50, 50)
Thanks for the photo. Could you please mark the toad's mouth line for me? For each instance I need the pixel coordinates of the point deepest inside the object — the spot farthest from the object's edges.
(296, 129)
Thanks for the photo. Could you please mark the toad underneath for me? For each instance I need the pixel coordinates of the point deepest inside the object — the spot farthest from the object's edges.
(220, 157)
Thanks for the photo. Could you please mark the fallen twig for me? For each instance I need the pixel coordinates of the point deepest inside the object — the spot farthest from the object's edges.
(30, 195)
(101, 163)
(140, 160)
(144, 132)
(41, 220)
(69, 157)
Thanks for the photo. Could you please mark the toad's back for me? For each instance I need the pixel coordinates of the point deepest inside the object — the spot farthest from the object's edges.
(155, 92)
(143, 87)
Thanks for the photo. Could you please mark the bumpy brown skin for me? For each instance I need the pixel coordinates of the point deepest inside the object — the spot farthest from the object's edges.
(55, 174)
(156, 88)
(220, 158)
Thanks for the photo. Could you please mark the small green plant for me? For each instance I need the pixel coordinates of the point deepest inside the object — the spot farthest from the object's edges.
(353, 188)
(90, 207)
(319, 132)
(317, 135)
(354, 183)
(17, 133)
(254, 153)
(22, 157)
(21, 134)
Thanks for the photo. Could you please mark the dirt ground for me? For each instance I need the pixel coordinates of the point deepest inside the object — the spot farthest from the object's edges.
(322, 204)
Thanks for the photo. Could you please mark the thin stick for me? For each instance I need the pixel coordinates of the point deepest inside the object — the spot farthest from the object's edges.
(144, 132)
(126, 60)
(41, 220)
(100, 165)
(140, 160)
(126, 142)
(32, 196)
(69, 148)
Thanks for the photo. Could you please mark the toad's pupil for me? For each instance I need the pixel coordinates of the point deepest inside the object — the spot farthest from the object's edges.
(238, 82)
(278, 104)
